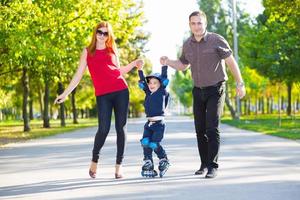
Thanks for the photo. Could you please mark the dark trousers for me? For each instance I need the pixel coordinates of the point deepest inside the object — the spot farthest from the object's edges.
(155, 133)
(117, 101)
(207, 107)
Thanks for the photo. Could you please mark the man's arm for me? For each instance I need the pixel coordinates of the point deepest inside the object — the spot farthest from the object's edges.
(175, 64)
(234, 69)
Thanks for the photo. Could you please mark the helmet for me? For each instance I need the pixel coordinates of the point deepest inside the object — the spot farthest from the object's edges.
(154, 75)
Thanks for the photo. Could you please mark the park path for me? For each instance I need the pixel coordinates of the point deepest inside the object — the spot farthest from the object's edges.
(252, 167)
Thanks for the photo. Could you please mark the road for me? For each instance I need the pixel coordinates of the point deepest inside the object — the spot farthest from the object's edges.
(253, 166)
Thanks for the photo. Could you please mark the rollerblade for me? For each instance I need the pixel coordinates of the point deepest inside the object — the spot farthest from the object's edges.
(163, 166)
(148, 169)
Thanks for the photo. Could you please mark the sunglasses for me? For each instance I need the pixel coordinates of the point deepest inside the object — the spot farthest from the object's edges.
(102, 33)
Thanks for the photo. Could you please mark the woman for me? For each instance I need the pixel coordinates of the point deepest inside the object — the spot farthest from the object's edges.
(110, 89)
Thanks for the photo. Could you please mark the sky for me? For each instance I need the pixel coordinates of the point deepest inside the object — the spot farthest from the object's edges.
(168, 24)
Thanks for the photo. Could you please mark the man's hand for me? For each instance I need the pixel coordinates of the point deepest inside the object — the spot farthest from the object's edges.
(240, 91)
(163, 60)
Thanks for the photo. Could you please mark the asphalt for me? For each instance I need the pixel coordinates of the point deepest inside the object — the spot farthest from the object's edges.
(253, 166)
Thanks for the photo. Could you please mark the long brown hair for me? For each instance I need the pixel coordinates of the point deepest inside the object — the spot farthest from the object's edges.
(110, 42)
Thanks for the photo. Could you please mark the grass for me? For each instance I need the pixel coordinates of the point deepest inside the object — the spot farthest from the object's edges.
(269, 124)
(12, 131)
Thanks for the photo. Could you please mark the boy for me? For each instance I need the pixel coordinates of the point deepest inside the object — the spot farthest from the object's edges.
(156, 100)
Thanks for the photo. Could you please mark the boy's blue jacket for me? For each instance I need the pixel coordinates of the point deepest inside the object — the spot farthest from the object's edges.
(156, 102)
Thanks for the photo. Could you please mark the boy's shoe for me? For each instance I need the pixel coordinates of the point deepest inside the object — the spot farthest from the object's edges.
(201, 171)
(163, 166)
(212, 173)
(148, 169)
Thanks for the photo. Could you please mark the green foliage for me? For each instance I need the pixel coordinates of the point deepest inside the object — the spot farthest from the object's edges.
(274, 42)
(182, 86)
(12, 131)
(256, 84)
(269, 124)
(47, 37)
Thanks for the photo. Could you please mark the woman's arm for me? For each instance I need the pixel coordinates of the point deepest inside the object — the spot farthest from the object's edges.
(128, 68)
(76, 78)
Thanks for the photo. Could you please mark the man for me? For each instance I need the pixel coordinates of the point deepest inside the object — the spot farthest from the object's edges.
(205, 53)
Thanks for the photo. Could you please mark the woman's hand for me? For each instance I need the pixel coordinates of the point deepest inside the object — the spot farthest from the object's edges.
(61, 98)
(139, 63)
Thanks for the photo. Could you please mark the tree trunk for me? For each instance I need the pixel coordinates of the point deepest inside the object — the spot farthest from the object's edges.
(66, 112)
(279, 107)
(82, 113)
(262, 105)
(259, 104)
(282, 103)
(240, 106)
(40, 93)
(229, 104)
(256, 106)
(30, 106)
(25, 99)
(60, 90)
(87, 112)
(249, 106)
(268, 105)
(245, 106)
(74, 110)
(46, 106)
(272, 105)
(51, 111)
(289, 107)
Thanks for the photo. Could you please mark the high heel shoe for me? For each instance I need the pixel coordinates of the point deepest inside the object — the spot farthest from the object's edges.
(118, 169)
(118, 176)
(93, 169)
(92, 174)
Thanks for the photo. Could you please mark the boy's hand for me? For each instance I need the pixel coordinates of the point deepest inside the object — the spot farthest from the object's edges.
(163, 60)
(139, 63)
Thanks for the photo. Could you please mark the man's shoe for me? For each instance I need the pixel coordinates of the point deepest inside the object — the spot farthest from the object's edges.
(200, 171)
(212, 173)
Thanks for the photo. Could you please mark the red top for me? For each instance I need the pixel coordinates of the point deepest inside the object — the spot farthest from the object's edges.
(106, 76)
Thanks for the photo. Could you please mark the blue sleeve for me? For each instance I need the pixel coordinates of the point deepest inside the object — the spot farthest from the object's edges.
(142, 82)
(167, 99)
(164, 75)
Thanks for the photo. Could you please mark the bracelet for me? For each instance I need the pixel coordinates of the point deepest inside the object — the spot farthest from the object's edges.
(241, 84)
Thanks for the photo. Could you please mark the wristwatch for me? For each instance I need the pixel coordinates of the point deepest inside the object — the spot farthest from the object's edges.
(240, 84)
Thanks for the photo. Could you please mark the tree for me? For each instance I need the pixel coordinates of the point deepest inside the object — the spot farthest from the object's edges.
(274, 43)
(48, 37)
(182, 87)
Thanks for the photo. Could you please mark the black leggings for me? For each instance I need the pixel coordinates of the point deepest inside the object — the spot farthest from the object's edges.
(117, 101)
